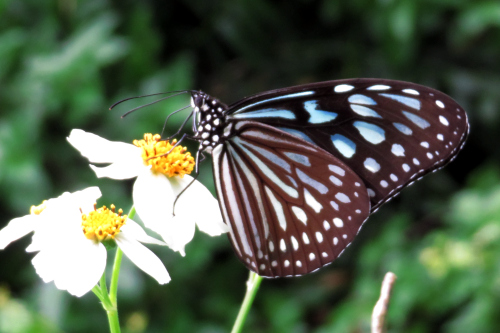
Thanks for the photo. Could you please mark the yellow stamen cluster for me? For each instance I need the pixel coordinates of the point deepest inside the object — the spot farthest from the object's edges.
(102, 224)
(154, 152)
(36, 210)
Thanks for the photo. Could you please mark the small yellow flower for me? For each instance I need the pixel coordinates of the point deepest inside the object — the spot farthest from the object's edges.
(102, 224)
(73, 259)
(163, 157)
(162, 174)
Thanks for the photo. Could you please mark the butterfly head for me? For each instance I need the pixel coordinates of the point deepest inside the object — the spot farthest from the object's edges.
(208, 120)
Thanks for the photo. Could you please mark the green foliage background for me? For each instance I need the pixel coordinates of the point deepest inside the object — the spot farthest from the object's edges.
(63, 63)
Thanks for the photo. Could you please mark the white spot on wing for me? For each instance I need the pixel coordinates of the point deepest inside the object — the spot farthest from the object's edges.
(300, 214)
(419, 121)
(278, 207)
(408, 101)
(318, 116)
(312, 256)
(342, 197)
(406, 167)
(403, 128)
(398, 150)
(313, 183)
(424, 144)
(304, 160)
(371, 165)
(378, 87)
(312, 202)
(326, 225)
(319, 237)
(335, 180)
(338, 170)
(282, 245)
(266, 113)
(338, 222)
(440, 104)
(295, 244)
(343, 88)
(305, 238)
(370, 132)
(345, 146)
(361, 99)
(364, 111)
(411, 92)
(443, 120)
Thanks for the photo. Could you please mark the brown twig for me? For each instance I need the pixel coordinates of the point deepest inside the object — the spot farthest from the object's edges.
(380, 309)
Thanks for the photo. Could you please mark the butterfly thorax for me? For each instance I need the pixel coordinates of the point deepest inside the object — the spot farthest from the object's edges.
(209, 120)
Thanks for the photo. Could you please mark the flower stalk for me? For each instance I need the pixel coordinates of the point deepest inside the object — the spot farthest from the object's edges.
(253, 284)
(109, 300)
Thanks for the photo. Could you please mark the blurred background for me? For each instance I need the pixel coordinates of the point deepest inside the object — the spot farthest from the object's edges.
(63, 63)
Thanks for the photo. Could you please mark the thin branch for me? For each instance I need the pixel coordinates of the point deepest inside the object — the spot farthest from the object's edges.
(380, 309)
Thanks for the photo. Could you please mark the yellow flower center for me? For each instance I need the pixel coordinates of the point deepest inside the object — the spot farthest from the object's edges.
(36, 210)
(102, 224)
(154, 152)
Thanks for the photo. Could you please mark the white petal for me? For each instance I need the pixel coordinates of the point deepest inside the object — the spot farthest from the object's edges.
(134, 231)
(75, 267)
(143, 258)
(177, 232)
(87, 266)
(17, 228)
(154, 196)
(100, 150)
(86, 198)
(62, 218)
(153, 199)
(207, 212)
(127, 167)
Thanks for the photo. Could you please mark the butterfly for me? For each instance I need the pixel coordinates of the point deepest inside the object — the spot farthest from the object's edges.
(299, 170)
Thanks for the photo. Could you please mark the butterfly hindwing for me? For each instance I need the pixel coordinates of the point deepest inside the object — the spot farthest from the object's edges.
(390, 133)
(291, 206)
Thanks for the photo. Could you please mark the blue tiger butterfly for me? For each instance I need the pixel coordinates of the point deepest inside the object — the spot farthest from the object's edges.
(298, 170)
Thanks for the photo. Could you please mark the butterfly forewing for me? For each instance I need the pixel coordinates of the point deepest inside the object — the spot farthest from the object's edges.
(291, 206)
(389, 133)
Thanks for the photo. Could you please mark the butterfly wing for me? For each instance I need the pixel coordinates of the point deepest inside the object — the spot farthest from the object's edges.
(291, 206)
(390, 133)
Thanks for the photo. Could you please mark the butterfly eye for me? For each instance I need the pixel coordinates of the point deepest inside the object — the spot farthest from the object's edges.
(198, 100)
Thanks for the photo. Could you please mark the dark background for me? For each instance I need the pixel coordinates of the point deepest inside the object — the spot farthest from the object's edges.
(62, 63)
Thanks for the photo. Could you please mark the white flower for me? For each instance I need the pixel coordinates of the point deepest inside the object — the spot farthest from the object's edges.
(159, 182)
(73, 259)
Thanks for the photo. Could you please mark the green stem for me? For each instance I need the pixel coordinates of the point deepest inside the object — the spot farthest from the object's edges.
(113, 288)
(253, 284)
(114, 323)
(112, 311)
(109, 301)
(110, 306)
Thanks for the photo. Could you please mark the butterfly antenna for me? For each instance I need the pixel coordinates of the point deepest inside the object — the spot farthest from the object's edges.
(157, 101)
(183, 124)
(163, 93)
